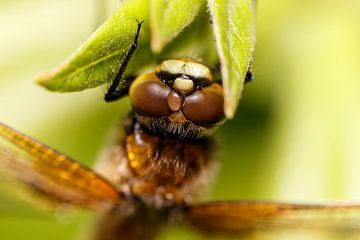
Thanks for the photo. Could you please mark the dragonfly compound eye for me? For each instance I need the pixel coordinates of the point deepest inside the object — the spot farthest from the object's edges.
(205, 106)
(149, 96)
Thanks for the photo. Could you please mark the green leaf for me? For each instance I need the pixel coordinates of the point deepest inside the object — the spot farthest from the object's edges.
(233, 26)
(169, 18)
(97, 61)
(196, 41)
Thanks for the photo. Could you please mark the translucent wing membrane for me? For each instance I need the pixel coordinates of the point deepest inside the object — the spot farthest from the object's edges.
(240, 217)
(51, 173)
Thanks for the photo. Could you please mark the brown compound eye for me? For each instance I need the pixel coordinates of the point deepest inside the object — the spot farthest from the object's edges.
(148, 95)
(206, 106)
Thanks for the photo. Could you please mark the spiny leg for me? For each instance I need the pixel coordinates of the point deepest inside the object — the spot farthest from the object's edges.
(114, 93)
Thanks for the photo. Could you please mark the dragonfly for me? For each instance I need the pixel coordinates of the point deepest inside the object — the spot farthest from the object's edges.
(154, 174)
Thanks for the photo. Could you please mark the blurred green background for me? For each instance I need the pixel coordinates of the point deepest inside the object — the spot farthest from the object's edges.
(295, 136)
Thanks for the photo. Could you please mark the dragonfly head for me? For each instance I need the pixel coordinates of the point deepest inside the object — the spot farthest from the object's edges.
(179, 98)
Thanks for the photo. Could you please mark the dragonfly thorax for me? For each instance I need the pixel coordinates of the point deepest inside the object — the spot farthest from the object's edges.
(162, 171)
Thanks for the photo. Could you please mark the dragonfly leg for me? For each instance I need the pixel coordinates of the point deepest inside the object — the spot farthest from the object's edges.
(249, 76)
(114, 92)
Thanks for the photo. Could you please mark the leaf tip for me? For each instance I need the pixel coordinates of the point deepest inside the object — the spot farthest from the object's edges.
(156, 44)
(229, 109)
(42, 80)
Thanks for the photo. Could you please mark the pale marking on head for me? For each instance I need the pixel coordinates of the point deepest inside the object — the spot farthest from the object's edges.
(183, 85)
(192, 69)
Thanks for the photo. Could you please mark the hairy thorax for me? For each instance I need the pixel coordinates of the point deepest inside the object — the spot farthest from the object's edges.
(161, 170)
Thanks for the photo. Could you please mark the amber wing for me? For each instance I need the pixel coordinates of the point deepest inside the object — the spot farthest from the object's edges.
(242, 217)
(51, 173)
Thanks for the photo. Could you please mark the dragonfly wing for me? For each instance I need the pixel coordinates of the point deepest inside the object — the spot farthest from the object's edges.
(240, 217)
(51, 173)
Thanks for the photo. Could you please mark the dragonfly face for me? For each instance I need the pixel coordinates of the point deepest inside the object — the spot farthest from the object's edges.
(180, 98)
